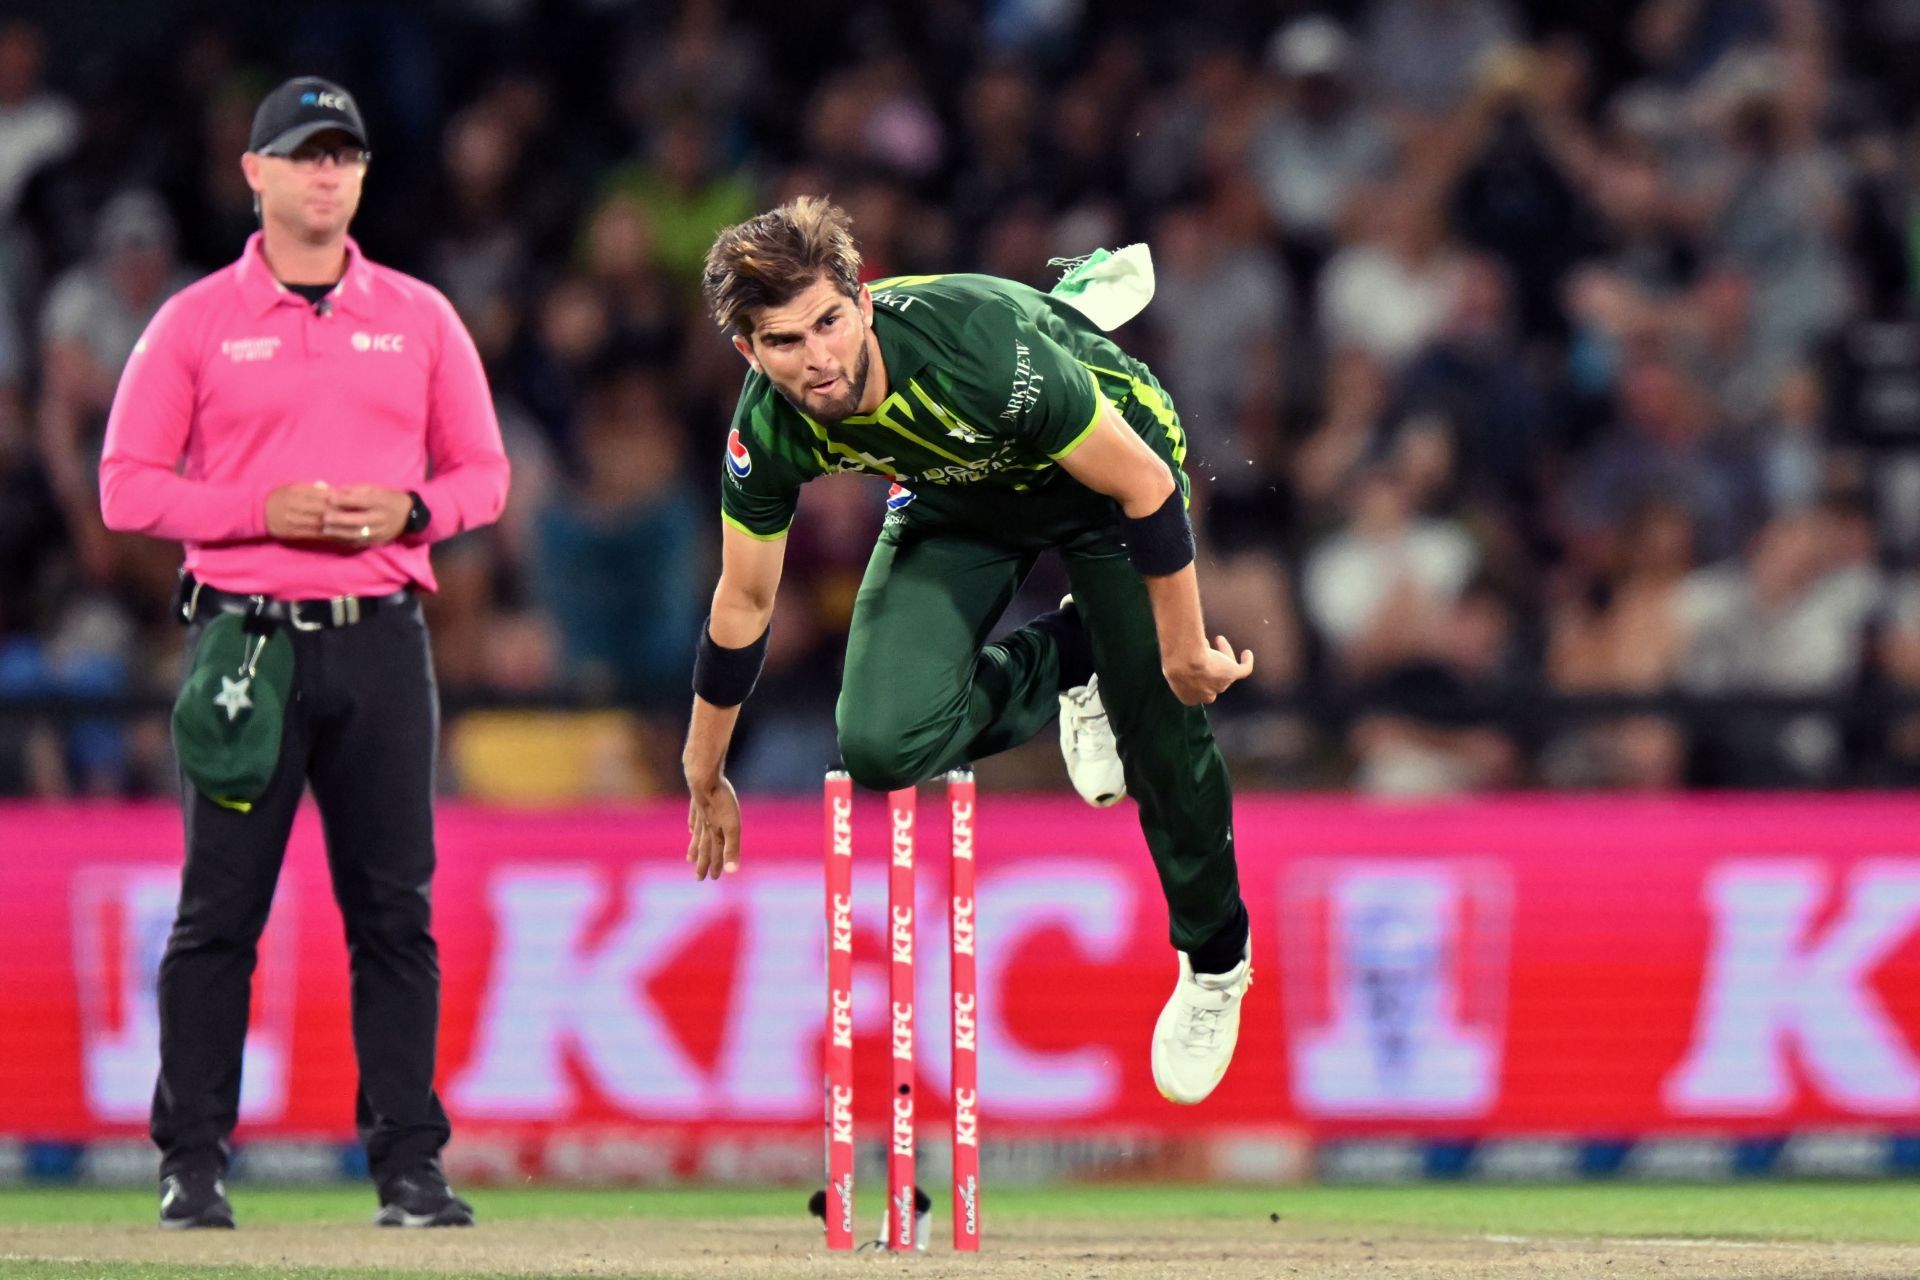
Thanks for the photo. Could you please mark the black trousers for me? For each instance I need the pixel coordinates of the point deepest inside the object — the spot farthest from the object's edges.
(362, 730)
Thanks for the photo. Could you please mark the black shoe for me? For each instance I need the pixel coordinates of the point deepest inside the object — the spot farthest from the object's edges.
(421, 1199)
(191, 1200)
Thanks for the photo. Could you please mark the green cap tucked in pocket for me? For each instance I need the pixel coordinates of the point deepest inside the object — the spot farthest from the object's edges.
(228, 719)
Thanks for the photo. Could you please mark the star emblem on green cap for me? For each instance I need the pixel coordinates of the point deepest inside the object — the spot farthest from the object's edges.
(233, 696)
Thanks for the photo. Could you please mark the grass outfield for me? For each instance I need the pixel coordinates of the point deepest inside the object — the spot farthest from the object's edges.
(1887, 1212)
(19, 1269)
(1876, 1213)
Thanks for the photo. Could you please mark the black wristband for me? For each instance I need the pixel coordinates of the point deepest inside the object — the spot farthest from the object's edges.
(723, 676)
(1161, 543)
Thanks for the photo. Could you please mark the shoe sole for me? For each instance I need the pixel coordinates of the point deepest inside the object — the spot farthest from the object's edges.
(1104, 799)
(448, 1217)
(196, 1224)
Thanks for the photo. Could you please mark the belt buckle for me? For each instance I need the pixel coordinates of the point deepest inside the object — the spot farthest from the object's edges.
(293, 616)
(346, 610)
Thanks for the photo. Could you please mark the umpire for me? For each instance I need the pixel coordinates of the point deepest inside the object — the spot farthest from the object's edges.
(306, 423)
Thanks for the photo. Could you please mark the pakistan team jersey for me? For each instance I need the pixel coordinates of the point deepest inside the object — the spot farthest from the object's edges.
(991, 382)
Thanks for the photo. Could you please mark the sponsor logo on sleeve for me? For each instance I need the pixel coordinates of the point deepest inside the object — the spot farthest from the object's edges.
(739, 461)
(1027, 381)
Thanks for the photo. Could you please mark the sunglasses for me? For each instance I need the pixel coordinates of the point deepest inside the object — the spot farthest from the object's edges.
(310, 156)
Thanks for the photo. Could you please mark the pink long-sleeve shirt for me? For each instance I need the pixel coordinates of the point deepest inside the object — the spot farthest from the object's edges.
(240, 386)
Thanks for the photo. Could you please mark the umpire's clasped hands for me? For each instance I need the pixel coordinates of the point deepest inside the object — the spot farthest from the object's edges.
(351, 518)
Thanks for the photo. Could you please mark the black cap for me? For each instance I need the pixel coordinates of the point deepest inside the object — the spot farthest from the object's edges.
(300, 108)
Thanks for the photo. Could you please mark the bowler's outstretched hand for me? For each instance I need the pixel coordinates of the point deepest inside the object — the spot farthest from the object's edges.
(713, 825)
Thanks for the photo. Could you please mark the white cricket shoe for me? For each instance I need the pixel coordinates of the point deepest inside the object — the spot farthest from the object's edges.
(1088, 746)
(1194, 1037)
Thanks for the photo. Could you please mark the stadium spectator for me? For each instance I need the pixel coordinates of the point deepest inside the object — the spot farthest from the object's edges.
(1374, 587)
(704, 64)
(1624, 631)
(481, 253)
(1790, 619)
(617, 553)
(1388, 292)
(1321, 145)
(37, 125)
(1425, 55)
(1667, 443)
(1795, 461)
(91, 319)
(1467, 382)
(1714, 340)
(686, 191)
(1770, 202)
(1085, 157)
(1220, 313)
(211, 212)
(1354, 394)
(1439, 727)
(996, 161)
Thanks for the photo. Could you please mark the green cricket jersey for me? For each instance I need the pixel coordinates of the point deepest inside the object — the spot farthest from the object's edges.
(992, 382)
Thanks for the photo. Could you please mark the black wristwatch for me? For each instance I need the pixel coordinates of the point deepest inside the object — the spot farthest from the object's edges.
(418, 517)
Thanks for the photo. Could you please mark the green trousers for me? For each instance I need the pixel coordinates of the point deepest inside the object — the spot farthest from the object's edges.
(924, 692)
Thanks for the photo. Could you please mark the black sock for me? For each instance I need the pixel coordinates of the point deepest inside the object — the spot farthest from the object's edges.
(1226, 948)
(1069, 635)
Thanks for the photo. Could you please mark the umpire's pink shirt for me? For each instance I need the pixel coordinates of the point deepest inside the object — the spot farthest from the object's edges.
(239, 386)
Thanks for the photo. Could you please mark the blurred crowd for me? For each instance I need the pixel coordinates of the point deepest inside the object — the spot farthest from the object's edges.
(1525, 350)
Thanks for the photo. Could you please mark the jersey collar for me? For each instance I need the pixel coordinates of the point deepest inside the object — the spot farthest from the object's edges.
(354, 293)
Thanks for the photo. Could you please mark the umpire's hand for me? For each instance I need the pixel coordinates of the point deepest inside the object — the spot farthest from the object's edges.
(297, 512)
(366, 515)
(713, 822)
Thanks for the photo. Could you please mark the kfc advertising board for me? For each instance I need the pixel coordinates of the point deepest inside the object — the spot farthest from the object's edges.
(1603, 967)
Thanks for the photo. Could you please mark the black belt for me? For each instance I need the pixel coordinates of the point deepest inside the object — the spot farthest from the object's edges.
(198, 601)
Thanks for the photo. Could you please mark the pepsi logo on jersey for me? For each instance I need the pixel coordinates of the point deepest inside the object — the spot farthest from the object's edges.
(739, 461)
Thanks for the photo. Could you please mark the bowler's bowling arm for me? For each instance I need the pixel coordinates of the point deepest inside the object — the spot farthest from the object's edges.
(742, 609)
(1114, 460)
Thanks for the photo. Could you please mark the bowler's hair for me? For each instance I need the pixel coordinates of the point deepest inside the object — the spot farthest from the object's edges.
(769, 260)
